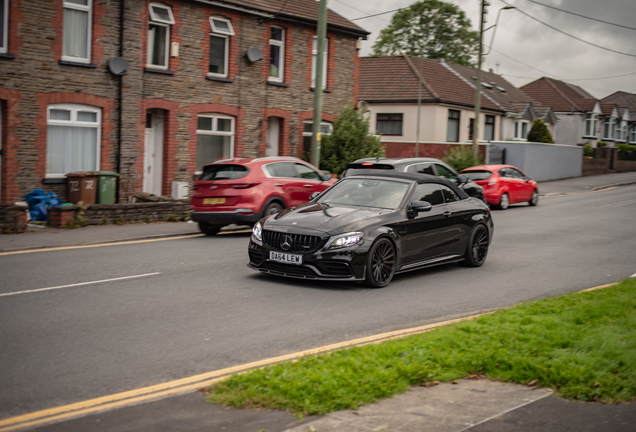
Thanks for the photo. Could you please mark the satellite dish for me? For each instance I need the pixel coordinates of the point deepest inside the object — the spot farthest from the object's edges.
(118, 65)
(254, 54)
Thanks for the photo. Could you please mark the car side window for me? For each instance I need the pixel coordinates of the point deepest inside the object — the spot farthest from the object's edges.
(307, 173)
(505, 172)
(516, 174)
(426, 168)
(430, 192)
(281, 169)
(449, 194)
(442, 171)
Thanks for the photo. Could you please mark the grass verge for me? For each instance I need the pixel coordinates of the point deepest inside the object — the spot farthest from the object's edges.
(582, 345)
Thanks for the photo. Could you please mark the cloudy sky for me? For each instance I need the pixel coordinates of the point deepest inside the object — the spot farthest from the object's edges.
(524, 49)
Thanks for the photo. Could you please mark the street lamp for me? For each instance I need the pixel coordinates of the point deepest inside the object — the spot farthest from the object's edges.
(482, 14)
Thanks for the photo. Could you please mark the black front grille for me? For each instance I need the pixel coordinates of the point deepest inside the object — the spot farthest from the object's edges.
(335, 269)
(255, 257)
(297, 242)
(289, 269)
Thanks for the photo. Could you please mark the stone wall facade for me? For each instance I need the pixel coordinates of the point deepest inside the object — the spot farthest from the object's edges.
(35, 77)
(13, 218)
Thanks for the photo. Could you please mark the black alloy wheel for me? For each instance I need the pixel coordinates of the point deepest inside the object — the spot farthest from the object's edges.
(272, 208)
(477, 249)
(535, 198)
(380, 264)
(504, 202)
(208, 229)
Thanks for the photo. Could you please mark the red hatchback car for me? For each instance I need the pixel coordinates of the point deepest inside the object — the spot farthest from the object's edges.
(242, 191)
(504, 185)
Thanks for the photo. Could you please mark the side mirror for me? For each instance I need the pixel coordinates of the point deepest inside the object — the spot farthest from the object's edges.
(313, 196)
(463, 178)
(325, 177)
(418, 207)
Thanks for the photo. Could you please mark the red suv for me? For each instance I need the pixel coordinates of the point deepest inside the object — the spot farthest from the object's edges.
(242, 191)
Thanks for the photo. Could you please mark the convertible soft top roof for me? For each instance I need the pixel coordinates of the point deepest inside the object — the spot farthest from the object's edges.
(419, 178)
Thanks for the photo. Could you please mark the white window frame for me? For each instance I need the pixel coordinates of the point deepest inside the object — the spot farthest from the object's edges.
(632, 134)
(590, 125)
(89, 33)
(621, 129)
(326, 128)
(519, 130)
(314, 60)
(159, 22)
(214, 131)
(4, 48)
(608, 128)
(214, 31)
(73, 122)
(281, 44)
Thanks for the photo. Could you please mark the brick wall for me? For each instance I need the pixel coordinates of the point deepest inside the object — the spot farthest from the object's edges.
(432, 150)
(36, 30)
(12, 218)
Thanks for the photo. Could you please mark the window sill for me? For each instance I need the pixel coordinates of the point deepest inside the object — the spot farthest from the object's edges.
(159, 71)
(323, 90)
(7, 56)
(277, 84)
(71, 63)
(219, 79)
(53, 180)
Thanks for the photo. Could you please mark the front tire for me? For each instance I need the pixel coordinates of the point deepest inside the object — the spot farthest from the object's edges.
(272, 208)
(381, 263)
(210, 230)
(477, 248)
(504, 202)
(535, 198)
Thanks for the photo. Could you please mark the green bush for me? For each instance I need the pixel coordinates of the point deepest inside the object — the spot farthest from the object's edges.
(627, 152)
(601, 144)
(350, 140)
(461, 158)
(540, 133)
(588, 151)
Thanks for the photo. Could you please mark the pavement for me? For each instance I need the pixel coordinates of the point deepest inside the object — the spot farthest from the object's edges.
(468, 405)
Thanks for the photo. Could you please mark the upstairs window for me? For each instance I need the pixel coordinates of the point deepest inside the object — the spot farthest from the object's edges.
(76, 45)
(314, 62)
(276, 54)
(590, 125)
(452, 133)
(221, 30)
(72, 139)
(389, 124)
(4, 26)
(489, 128)
(161, 19)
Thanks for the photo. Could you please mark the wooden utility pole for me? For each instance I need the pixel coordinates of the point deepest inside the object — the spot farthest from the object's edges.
(320, 61)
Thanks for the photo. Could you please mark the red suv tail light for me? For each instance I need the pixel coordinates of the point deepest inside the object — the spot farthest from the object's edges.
(246, 185)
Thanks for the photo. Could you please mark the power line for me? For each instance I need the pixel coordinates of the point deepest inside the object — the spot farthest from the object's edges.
(592, 79)
(360, 10)
(582, 16)
(525, 64)
(378, 14)
(567, 34)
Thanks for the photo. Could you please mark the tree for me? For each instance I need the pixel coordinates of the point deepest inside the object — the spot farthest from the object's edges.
(540, 133)
(432, 28)
(349, 141)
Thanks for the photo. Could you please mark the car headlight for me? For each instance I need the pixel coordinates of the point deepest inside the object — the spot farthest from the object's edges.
(344, 240)
(257, 233)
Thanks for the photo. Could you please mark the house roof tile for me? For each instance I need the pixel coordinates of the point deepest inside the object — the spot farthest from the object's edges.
(623, 100)
(561, 96)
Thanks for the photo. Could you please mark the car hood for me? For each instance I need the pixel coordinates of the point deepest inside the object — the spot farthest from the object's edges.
(322, 218)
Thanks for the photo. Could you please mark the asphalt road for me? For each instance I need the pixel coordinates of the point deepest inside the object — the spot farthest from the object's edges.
(199, 308)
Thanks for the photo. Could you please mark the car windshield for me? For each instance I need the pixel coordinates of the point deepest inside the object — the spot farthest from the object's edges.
(223, 172)
(477, 175)
(366, 193)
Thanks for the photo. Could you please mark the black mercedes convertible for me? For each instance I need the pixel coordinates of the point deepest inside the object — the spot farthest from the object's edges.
(368, 228)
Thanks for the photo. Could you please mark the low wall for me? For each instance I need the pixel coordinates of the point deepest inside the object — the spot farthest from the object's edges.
(432, 150)
(544, 161)
(595, 167)
(13, 218)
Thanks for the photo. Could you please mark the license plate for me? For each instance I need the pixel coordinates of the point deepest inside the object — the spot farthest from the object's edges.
(286, 258)
(213, 200)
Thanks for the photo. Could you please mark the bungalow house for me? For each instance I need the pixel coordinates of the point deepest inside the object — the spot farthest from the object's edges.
(395, 88)
(154, 89)
(627, 104)
(582, 118)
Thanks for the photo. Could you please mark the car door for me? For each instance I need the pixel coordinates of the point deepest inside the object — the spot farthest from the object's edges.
(311, 181)
(524, 188)
(287, 183)
(426, 233)
(459, 221)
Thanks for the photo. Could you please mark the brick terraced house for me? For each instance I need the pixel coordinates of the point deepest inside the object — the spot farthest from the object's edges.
(155, 89)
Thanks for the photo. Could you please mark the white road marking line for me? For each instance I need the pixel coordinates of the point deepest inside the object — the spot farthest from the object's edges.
(619, 204)
(633, 276)
(78, 284)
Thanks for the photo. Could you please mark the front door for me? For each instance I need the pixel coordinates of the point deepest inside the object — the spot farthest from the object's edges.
(153, 155)
(273, 134)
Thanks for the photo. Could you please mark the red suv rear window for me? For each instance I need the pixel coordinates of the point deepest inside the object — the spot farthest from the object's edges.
(223, 172)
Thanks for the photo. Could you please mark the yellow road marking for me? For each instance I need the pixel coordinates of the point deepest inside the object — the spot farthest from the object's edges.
(99, 245)
(204, 380)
